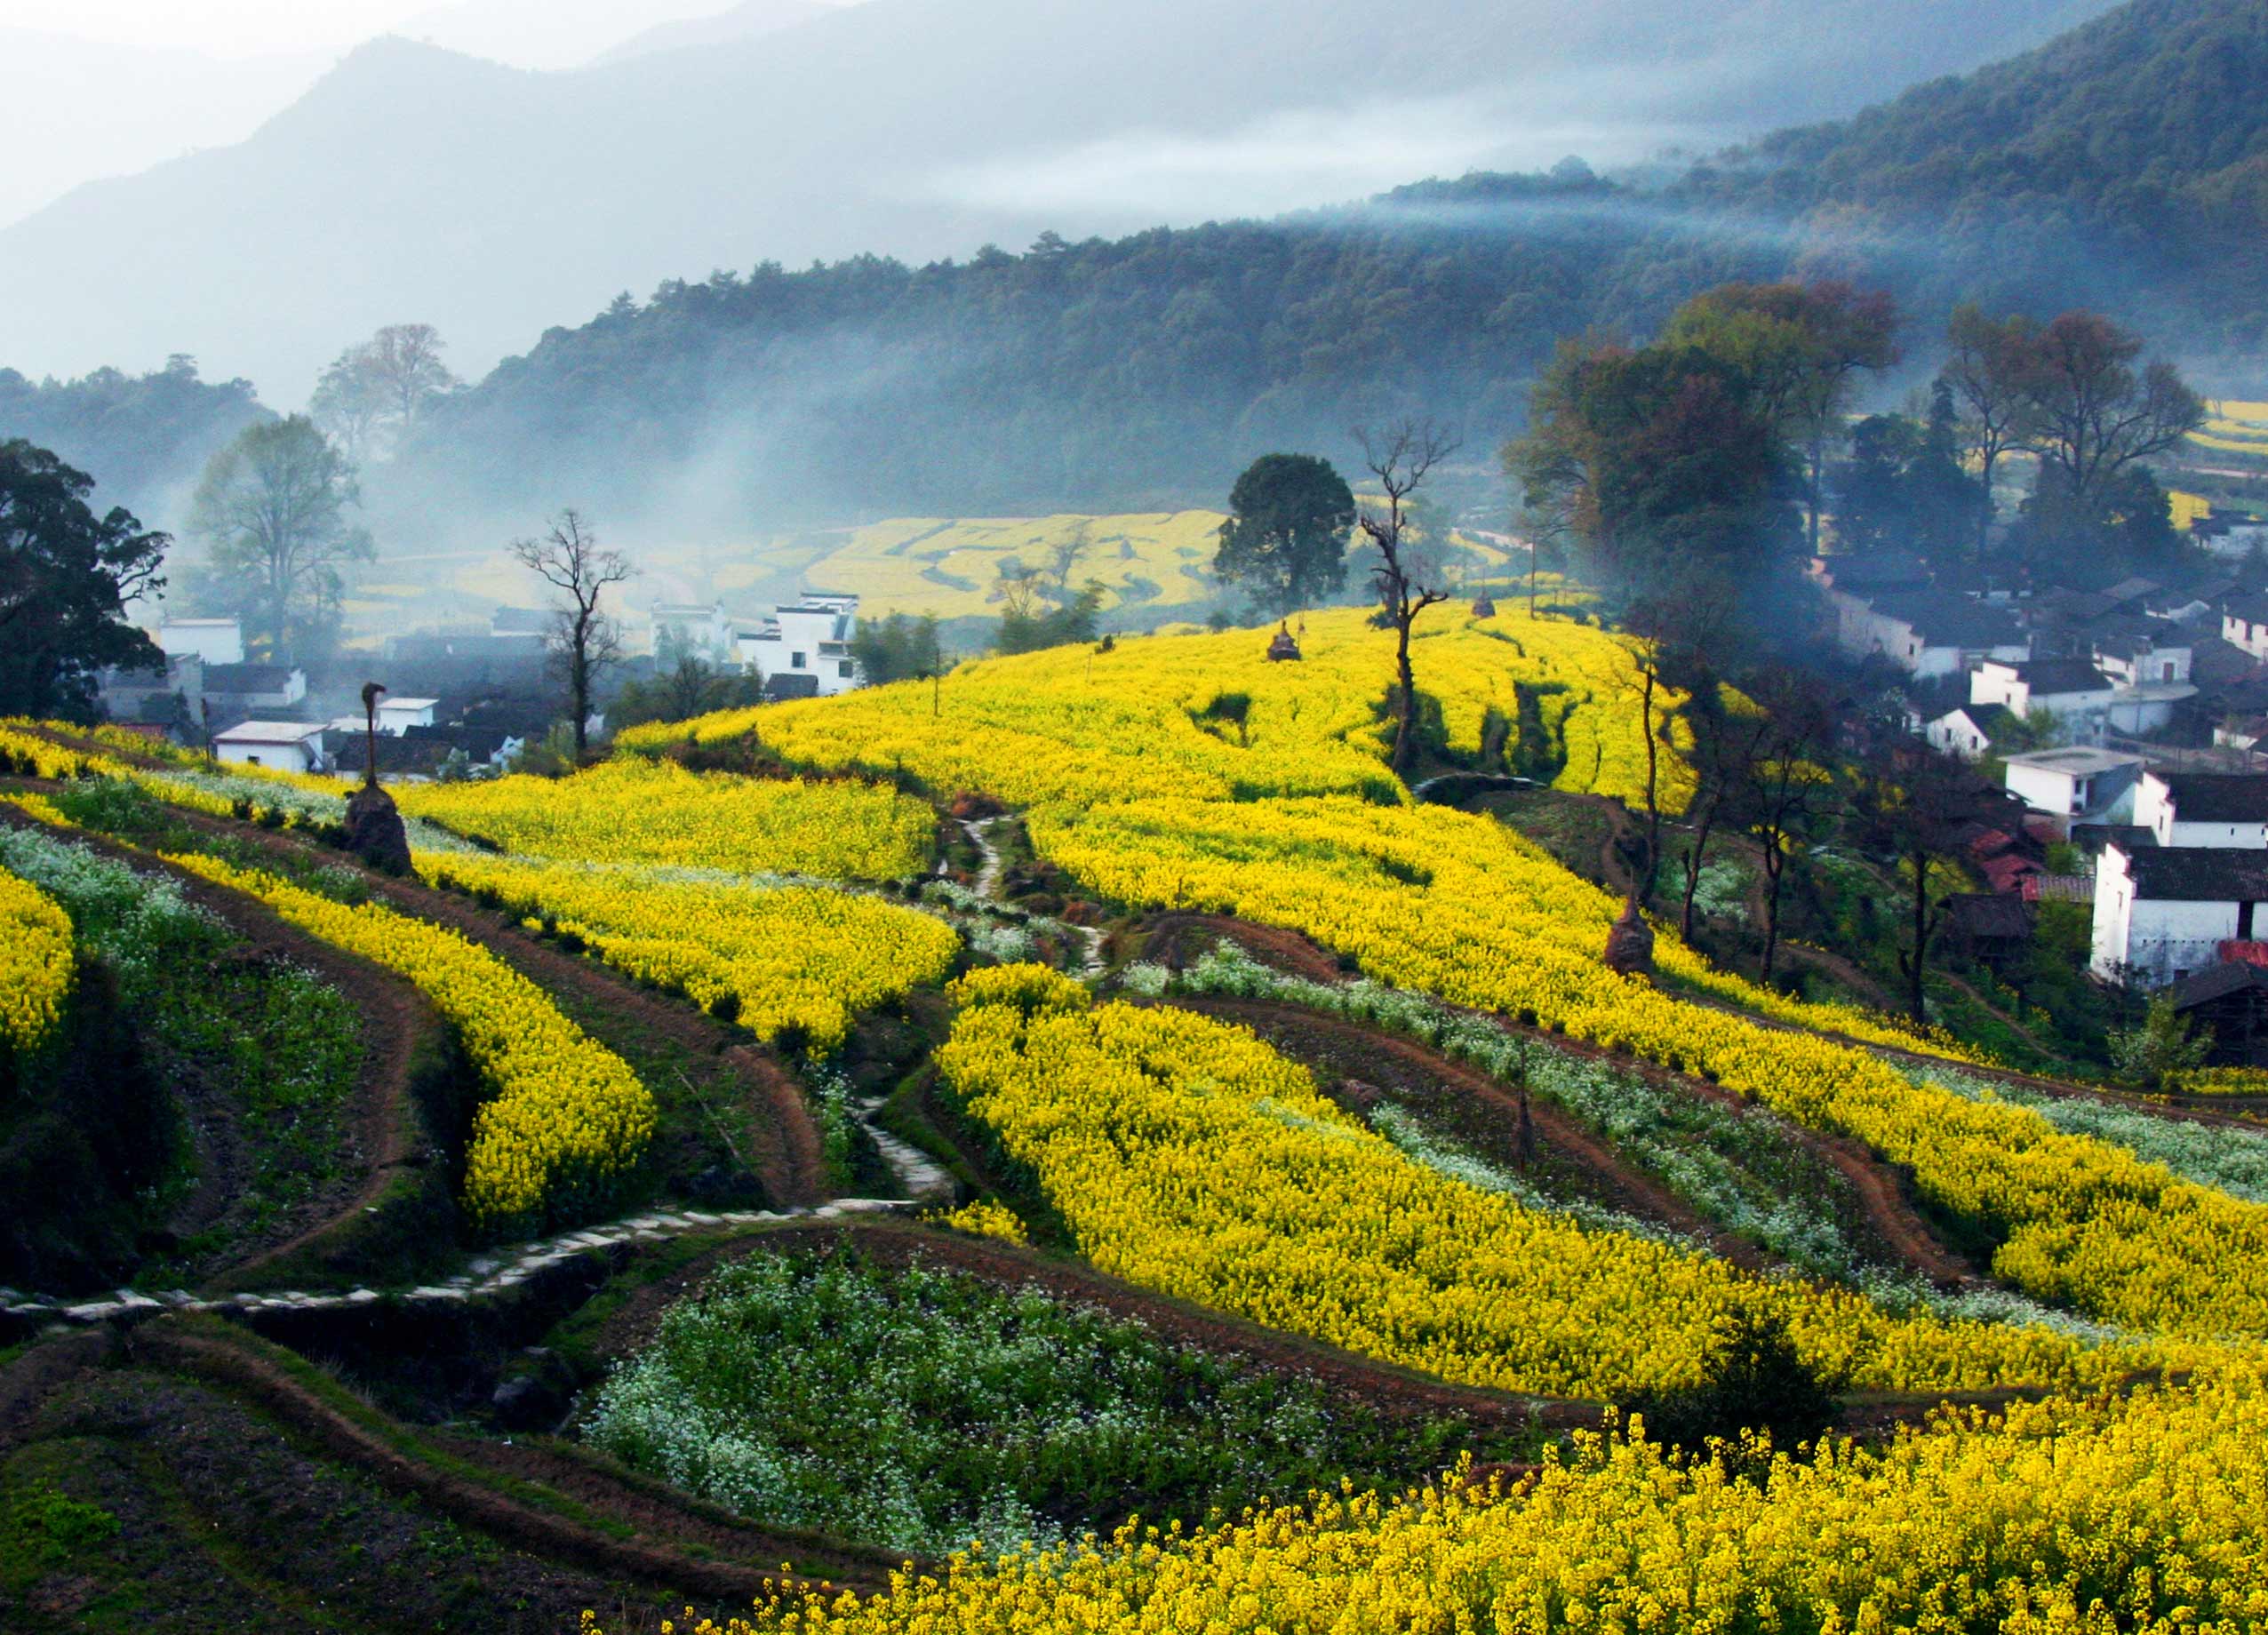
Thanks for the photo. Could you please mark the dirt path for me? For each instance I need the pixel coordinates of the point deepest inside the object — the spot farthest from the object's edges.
(395, 1020)
(1322, 1043)
(789, 1162)
(1890, 1209)
(243, 1367)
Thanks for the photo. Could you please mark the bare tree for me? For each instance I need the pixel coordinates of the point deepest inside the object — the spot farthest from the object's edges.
(386, 382)
(2094, 415)
(1985, 368)
(585, 642)
(1918, 806)
(1677, 637)
(1783, 786)
(1400, 459)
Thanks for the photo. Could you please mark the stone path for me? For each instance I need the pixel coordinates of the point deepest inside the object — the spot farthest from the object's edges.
(979, 832)
(925, 1181)
(492, 1274)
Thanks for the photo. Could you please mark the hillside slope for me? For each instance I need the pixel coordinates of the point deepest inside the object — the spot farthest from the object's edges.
(414, 184)
(2119, 166)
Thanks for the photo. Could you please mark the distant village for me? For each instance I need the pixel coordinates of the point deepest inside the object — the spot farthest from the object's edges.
(2124, 733)
(459, 702)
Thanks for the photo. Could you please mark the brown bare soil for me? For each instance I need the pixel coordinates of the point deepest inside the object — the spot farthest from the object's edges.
(788, 1162)
(395, 1016)
(228, 1361)
(1340, 1051)
(1180, 938)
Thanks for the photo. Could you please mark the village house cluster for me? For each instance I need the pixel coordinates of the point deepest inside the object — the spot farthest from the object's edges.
(463, 701)
(2126, 724)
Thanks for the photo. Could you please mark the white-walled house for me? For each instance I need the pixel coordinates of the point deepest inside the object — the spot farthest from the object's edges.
(289, 745)
(2161, 915)
(707, 631)
(2089, 786)
(1961, 733)
(2075, 693)
(211, 640)
(395, 716)
(1931, 634)
(811, 638)
(2222, 810)
(2244, 623)
(2059, 687)
(2155, 659)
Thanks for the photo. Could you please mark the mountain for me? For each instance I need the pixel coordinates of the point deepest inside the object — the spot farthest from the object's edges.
(2119, 166)
(413, 183)
(74, 110)
(546, 35)
(752, 19)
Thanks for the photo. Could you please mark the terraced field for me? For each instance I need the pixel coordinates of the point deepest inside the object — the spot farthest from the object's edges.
(1086, 1151)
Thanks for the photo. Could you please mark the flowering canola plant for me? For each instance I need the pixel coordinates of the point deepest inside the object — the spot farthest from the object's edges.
(2139, 1513)
(1185, 1154)
(635, 811)
(37, 967)
(1207, 717)
(1447, 904)
(564, 1113)
(810, 958)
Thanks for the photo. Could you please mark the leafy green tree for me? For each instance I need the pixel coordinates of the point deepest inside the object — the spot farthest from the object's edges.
(1656, 464)
(1754, 1380)
(381, 386)
(1903, 484)
(1028, 629)
(897, 648)
(272, 513)
(2162, 1048)
(692, 686)
(1285, 539)
(1801, 347)
(66, 576)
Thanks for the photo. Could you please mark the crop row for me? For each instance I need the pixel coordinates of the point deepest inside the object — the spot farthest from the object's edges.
(1185, 1154)
(2137, 1514)
(36, 965)
(634, 811)
(564, 1114)
(776, 958)
(1448, 906)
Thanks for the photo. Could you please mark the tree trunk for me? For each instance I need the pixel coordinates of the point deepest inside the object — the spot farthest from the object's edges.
(1985, 511)
(1695, 856)
(1405, 737)
(578, 686)
(1649, 871)
(1812, 496)
(1775, 866)
(1920, 937)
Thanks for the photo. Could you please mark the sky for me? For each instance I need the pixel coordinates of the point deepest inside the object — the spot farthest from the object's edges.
(218, 28)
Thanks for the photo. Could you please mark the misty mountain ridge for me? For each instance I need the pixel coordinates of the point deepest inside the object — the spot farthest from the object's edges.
(411, 181)
(1142, 372)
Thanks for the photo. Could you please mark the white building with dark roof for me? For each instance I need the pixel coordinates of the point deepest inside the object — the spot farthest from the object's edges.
(809, 638)
(2225, 811)
(2164, 915)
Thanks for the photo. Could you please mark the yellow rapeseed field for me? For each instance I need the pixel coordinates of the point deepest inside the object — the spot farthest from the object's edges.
(36, 966)
(564, 1114)
(2138, 1515)
(808, 958)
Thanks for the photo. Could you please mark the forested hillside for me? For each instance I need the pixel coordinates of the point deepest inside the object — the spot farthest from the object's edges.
(2121, 166)
(144, 438)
